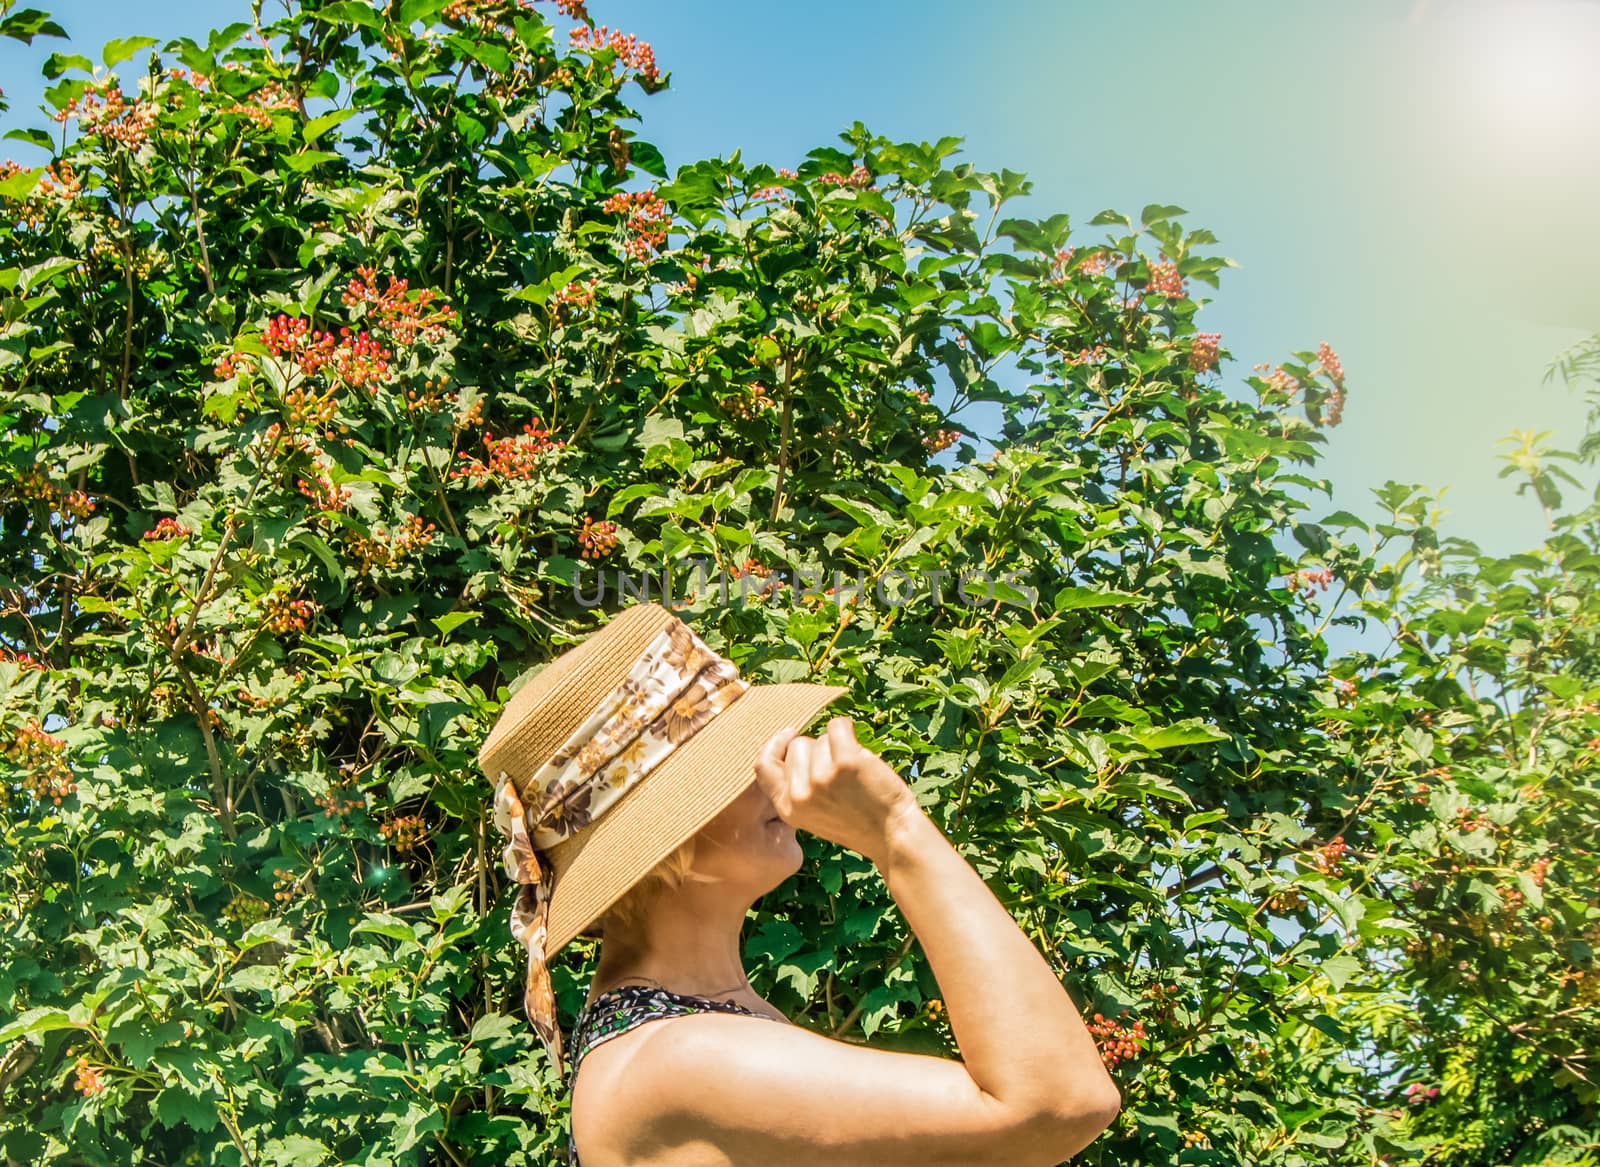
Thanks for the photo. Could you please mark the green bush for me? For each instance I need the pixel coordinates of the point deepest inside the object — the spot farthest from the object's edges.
(268, 581)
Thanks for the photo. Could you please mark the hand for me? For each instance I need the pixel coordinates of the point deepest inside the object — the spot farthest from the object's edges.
(833, 786)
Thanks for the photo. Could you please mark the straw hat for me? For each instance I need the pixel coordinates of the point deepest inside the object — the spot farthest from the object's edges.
(687, 788)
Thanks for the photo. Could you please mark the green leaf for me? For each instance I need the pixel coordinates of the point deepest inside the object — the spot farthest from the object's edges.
(21, 184)
(30, 22)
(42, 1019)
(1076, 597)
(318, 126)
(1189, 732)
(117, 51)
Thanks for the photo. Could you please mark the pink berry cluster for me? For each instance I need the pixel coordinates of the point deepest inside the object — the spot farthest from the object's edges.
(1329, 362)
(1417, 1094)
(57, 184)
(631, 51)
(941, 439)
(87, 1079)
(281, 614)
(647, 222)
(404, 832)
(1203, 352)
(1165, 280)
(258, 108)
(1117, 1042)
(1087, 356)
(102, 111)
(1469, 819)
(1329, 857)
(1537, 871)
(40, 759)
(597, 538)
(1061, 265)
(1280, 380)
(859, 177)
(1318, 577)
(322, 492)
(515, 457)
(168, 528)
(189, 77)
(768, 194)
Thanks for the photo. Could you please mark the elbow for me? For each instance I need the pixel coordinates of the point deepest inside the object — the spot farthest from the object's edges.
(1063, 1133)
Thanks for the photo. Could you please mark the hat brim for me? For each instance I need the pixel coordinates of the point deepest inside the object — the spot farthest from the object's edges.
(688, 789)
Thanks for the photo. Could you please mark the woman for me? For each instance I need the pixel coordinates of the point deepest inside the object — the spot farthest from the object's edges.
(731, 1081)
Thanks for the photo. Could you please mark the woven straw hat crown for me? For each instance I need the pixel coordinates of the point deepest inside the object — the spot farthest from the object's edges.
(596, 865)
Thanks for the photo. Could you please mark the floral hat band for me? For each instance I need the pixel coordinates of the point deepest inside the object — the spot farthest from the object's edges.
(674, 688)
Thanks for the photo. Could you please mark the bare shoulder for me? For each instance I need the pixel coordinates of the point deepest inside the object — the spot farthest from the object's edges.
(727, 1089)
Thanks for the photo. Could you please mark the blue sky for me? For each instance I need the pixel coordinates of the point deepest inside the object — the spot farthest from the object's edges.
(1409, 180)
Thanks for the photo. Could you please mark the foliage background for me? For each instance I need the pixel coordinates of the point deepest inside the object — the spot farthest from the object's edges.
(269, 583)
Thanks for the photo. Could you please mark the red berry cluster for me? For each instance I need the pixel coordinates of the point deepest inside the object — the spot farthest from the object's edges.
(285, 883)
(40, 759)
(88, 1079)
(647, 222)
(1203, 352)
(404, 832)
(338, 799)
(760, 571)
(1290, 899)
(281, 614)
(1469, 820)
(1537, 871)
(1117, 1043)
(1087, 356)
(394, 310)
(385, 550)
(597, 539)
(1165, 280)
(21, 659)
(512, 457)
(103, 111)
(574, 297)
(1319, 577)
(631, 51)
(1329, 857)
(940, 440)
(751, 401)
(768, 194)
(1164, 999)
(168, 528)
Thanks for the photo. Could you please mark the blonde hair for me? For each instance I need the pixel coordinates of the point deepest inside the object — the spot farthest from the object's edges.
(668, 875)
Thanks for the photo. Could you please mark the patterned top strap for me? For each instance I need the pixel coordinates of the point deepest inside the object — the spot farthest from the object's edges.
(624, 1007)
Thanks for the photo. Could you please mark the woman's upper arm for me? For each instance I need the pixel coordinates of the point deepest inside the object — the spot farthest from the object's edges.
(766, 1094)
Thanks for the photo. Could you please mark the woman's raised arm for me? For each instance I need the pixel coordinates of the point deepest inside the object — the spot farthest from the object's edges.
(1030, 1087)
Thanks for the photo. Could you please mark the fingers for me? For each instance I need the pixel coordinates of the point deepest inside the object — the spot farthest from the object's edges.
(770, 766)
(842, 743)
